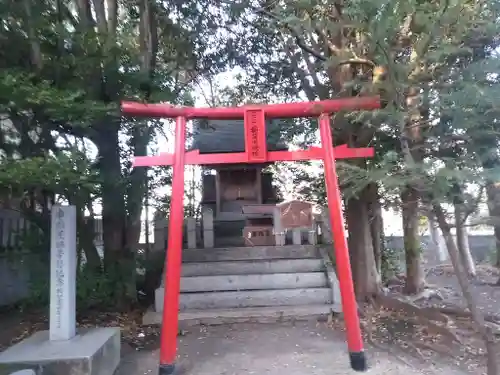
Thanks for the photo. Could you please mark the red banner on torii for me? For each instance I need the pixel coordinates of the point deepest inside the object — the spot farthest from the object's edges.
(254, 117)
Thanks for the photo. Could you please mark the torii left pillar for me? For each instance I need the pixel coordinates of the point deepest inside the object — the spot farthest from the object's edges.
(170, 320)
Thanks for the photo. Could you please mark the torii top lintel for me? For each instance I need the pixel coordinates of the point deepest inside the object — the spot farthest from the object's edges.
(284, 110)
(254, 117)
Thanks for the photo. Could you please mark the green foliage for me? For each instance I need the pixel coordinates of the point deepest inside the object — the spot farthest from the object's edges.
(35, 241)
(39, 290)
(94, 289)
(20, 93)
(391, 263)
(63, 73)
(61, 174)
(445, 49)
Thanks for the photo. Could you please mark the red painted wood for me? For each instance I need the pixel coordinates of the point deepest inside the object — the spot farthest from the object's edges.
(345, 152)
(285, 110)
(349, 305)
(173, 259)
(312, 153)
(195, 158)
(152, 161)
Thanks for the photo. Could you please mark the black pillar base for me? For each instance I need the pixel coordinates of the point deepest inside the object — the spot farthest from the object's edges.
(166, 369)
(358, 361)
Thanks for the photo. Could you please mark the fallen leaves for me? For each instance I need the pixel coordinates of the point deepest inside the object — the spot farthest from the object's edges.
(133, 333)
(15, 327)
(429, 333)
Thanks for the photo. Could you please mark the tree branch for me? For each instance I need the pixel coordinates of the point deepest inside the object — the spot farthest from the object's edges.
(112, 6)
(309, 90)
(149, 44)
(295, 33)
(85, 14)
(471, 208)
(100, 15)
(36, 53)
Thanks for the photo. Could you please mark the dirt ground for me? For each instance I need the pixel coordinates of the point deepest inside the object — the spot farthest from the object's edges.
(488, 295)
(301, 348)
(447, 332)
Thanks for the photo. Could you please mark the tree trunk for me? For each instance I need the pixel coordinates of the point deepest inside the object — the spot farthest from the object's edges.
(376, 224)
(136, 188)
(86, 235)
(465, 286)
(463, 242)
(86, 241)
(367, 281)
(493, 195)
(413, 255)
(437, 240)
(119, 259)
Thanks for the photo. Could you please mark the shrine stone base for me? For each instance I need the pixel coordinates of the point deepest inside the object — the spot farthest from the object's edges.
(91, 352)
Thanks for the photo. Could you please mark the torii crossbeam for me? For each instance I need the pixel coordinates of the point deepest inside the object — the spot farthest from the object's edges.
(255, 152)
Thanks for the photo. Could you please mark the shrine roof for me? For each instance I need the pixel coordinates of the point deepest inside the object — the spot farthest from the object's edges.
(221, 136)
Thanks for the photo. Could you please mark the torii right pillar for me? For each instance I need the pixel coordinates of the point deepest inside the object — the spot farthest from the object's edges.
(349, 306)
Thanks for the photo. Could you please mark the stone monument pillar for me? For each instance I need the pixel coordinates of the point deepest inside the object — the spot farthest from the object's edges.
(63, 350)
(312, 234)
(208, 228)
(279, 231)
(297, 236)
(191, 232)
(160, 225)
(63, 273)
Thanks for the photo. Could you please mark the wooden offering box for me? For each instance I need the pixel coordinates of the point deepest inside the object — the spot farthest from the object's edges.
(258, 230)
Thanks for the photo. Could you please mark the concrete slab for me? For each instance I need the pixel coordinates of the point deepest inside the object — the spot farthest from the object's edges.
(90, 352)
(273, 349)
(271, 314)
(243, 267)
(253, 282)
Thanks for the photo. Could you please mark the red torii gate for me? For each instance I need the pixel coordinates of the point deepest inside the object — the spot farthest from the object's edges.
(255, 152)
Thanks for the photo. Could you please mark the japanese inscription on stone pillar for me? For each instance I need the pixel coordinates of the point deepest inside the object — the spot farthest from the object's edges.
(63, 273)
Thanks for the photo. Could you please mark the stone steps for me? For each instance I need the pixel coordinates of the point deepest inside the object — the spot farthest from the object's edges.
(255, 298)
(258, 266)
(249, 253)
(270, 314)
(229, 241)
(245, 284)
(224, 283)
